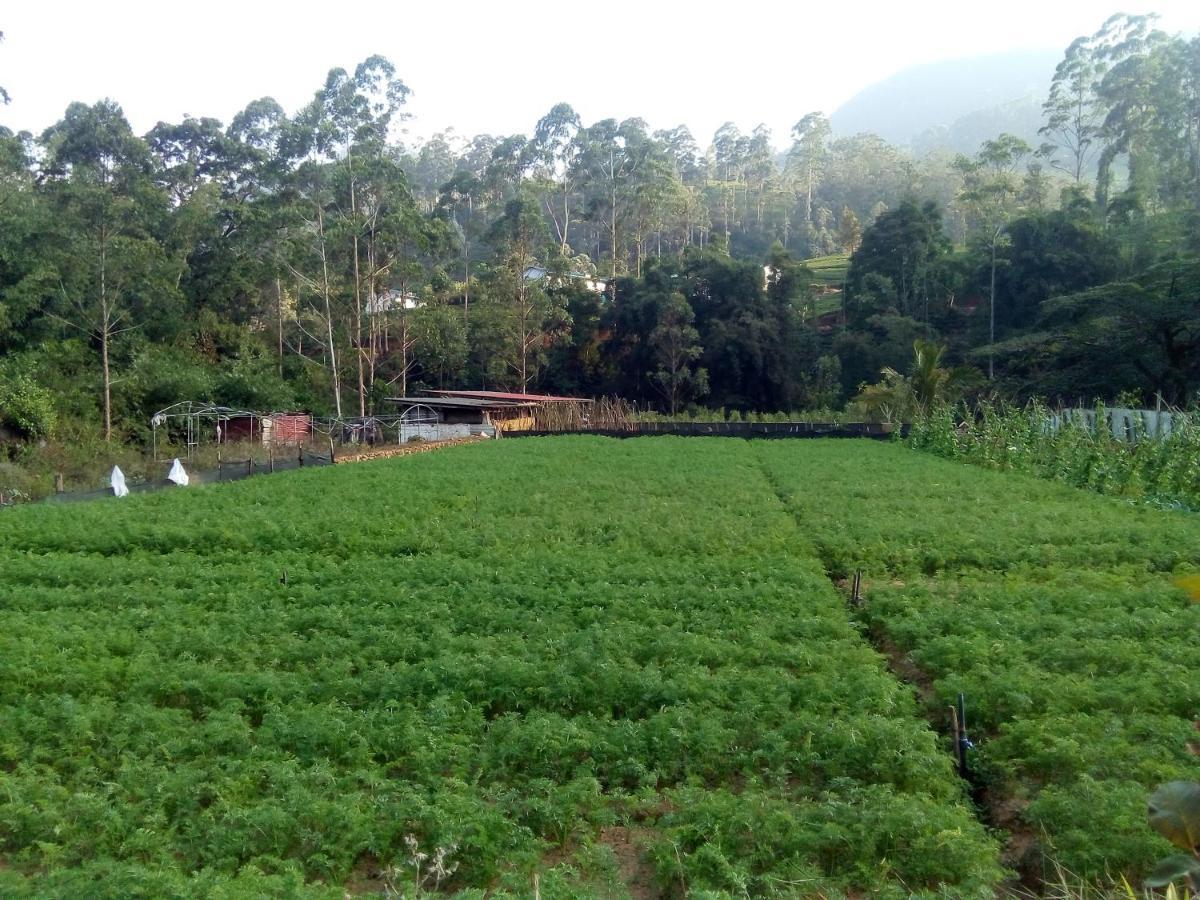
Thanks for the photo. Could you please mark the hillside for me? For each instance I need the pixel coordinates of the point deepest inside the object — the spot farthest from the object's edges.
(954, 104)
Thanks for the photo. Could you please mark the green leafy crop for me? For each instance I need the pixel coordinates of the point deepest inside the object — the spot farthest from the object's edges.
(481, 666)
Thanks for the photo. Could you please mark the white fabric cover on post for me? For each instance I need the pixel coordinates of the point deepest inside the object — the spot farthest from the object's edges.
(117, 481)
(177, 474)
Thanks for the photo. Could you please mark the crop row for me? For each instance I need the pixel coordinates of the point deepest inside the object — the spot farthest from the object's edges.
(505, 652)
(1056, 612)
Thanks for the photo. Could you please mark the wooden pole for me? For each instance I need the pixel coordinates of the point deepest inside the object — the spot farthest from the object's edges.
(58, 483)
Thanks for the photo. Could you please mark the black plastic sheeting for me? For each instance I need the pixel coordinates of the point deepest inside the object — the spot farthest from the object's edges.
(232, 470)
(736, 429)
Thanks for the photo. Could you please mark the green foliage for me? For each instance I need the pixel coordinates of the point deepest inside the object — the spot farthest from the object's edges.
(302, 240)
(903, 398)
(26, 407)
(1174, 812)
(474, 665)
(903, 249)
(1056, 612)
(1163, 470)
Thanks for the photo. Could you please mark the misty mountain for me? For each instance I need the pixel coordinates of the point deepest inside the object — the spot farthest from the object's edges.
(954, 104)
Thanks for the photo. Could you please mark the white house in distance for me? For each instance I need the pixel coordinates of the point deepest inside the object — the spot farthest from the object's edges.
(392, 301)
(596, 285)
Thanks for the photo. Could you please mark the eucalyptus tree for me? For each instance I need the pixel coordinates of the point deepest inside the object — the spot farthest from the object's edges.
(434, 164)
(728, 151)
(506, 170)
(394, 241)
(456, 202)
(1074, 111)
(532, 320)
(110, 271)
(241, 264)
(760, 170)
(691, 170)
(1151, 93)
(684, 153)
(652, 191)
(608, 162)
(345, 126)
(24, 223)
(808, 157)
(554, 149)
(992, 195)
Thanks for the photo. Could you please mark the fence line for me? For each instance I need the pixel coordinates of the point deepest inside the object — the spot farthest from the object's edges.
(1122, 423)
(730, 429)
(227, 470)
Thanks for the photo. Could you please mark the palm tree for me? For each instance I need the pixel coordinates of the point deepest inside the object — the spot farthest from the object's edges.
(902, 397)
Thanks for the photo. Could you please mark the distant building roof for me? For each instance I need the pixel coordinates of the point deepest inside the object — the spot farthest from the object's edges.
(502, 395)
(461, 402)
(390, 301)
(537, 273)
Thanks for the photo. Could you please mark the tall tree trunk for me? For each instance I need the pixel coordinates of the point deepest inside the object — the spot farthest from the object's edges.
(613, 228)
(325, 295)
(105, 333)
(566, 227)
(992, 309)
(279, 322)
(808, 199)
(361, 349)
(373, 307)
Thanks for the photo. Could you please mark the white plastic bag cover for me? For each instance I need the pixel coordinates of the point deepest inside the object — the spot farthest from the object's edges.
(178, 474)
(117, 480)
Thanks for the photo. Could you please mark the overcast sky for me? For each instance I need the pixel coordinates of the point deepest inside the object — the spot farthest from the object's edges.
(498, 66)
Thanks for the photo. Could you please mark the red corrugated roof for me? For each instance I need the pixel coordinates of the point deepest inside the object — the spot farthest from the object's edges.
(502, 395)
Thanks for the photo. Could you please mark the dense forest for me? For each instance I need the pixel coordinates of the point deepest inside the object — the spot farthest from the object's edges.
(314, 260)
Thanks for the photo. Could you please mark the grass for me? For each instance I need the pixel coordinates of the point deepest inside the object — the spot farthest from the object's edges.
(829, 270)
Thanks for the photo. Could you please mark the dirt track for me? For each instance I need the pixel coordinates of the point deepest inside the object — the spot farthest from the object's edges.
(405, 450)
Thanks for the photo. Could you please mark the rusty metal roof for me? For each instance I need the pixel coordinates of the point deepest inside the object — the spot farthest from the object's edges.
(502, 395)
(462, 402)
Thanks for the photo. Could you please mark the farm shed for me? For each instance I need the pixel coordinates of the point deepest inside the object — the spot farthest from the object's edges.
(446, 414)
(443, 418)
(287, 428)
(535, 409)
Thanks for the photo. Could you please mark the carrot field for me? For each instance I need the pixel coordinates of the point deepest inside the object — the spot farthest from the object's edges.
(590, 668)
